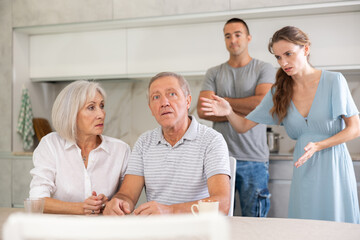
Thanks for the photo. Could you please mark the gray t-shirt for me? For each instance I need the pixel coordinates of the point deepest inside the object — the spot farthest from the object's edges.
(241, 82)
(179, 173)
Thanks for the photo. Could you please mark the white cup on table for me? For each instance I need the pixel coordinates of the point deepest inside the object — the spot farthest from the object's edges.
(34, 205)
(206, 206)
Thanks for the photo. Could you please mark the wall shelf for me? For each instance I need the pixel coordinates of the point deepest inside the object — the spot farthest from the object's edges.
(16, 155)
(123, 77)
(346, 69)
(191, 76)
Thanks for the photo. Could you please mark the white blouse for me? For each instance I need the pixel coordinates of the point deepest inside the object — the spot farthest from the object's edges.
(60, 172)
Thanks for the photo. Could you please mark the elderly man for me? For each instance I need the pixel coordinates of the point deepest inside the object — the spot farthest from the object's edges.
(179, 162)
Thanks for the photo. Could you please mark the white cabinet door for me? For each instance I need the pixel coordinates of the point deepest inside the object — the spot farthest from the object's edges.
(334, 37)
(5, 182)
(78, 54)
(21, 179)
(179, 48)
(184, 47)
(280, 172)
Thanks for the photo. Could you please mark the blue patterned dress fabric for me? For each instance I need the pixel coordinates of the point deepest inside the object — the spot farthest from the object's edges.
(25, 125)
(324, 188)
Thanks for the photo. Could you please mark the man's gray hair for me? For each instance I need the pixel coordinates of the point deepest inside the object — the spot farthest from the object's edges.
(181, 80)
(68, 103)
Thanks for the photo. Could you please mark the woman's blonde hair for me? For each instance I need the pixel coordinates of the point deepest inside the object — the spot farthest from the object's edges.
(283, 87)
(68, 103)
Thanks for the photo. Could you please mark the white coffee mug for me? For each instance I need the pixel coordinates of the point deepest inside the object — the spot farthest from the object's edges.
(206, 206)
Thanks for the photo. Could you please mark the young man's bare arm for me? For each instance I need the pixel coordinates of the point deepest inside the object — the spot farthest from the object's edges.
(240, 106)
(243, 106)
(208, 94)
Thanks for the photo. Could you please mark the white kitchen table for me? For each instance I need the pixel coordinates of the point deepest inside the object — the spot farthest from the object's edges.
(269, 228)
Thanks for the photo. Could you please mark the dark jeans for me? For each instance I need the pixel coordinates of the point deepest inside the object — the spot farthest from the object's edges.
(252, 185)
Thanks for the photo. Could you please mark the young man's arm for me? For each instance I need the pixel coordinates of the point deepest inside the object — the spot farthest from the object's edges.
(241, 106)
(208, 94)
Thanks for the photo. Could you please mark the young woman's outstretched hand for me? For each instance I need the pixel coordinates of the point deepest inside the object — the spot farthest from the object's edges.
(310, 149)
(216, 106)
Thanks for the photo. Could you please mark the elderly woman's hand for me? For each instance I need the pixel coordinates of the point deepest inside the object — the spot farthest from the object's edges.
(104, 201)
(95, 204)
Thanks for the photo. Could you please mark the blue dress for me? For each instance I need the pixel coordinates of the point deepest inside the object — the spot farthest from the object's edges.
(324, 188)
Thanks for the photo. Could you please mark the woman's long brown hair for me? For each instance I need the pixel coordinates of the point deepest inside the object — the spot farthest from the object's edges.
(284, 84)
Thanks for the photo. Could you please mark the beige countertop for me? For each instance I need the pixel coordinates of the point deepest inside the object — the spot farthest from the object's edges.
(289, 156)
(281, 156)
(273, 156)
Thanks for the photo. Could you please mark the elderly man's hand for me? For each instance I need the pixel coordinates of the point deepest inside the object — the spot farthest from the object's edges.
(117, 207)
(152, 208)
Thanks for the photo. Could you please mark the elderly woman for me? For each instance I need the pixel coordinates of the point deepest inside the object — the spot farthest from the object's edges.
(76, 162)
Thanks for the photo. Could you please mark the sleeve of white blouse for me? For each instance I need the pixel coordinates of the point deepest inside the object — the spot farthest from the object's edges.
(44, 171)
(125, 162)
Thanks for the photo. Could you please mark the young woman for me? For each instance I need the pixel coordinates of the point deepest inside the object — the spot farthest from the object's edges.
(316, 109)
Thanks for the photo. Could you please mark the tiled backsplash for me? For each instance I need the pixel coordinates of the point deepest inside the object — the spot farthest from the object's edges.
(128, 114)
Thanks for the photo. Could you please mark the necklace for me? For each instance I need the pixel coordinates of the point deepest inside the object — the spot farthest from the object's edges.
(84, 158)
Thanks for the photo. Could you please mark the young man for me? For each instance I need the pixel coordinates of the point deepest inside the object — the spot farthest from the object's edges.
(179, 162)
(243, 81)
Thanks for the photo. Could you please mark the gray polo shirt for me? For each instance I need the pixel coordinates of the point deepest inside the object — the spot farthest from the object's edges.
(179, 174)
(241, 82)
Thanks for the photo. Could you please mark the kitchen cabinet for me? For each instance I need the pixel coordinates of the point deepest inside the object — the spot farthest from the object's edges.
(140, 48)
(179, 48)
(189, 49)
(280, 170)
(14, 179)
(21, 179)
(280, 174)
(5, 182)
(94, 53)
